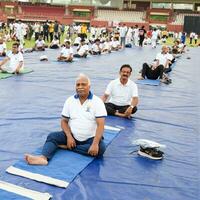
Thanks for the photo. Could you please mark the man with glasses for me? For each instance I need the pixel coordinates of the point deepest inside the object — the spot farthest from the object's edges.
(15, 59)
(123, 94)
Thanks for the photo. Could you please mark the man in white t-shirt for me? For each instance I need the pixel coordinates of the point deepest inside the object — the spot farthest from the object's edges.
(82, 124)
(66, 53)
(96, 48)
(162, 57)
(82, 50)
(123, 94)
(15, 61)
(39, 44)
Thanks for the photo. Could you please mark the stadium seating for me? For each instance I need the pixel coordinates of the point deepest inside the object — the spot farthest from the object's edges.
(179, 19)
(43, 10)
(122, 16)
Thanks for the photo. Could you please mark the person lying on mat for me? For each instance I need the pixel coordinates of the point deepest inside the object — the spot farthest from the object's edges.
(82, 124)
(13, 62)
(123, 94)
(66, 53)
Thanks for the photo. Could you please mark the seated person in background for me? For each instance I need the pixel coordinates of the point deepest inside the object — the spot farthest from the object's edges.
(2, 48)
(15, 59)
(181, 47)
(66, 53)
(55, 43)
(82, 124)
(92, 39)
(152, 71)
(123, 94)
(115, 45)
(39, 44)
(96, 48)
(171, 59)
(77, 40)
(177, 48)
(106, 46)
(162, 58)
(82, 50)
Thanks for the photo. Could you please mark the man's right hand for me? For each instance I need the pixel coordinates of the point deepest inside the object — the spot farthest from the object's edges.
(70, 142)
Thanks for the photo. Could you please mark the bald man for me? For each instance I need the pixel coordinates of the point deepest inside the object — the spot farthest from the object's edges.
(82, 123)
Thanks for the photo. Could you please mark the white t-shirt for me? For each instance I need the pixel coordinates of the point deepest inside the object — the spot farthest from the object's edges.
(2, 47)
(162, 58)
(82, 118)
(40, 43)
(66, 52)
(15, 59)
(95, 48)
(55, 42)
(122, 31)
(120, 94)
(115, 44)
(154, 35)
(83, 49)
(170, 56)
(77, 40)
(106, 45)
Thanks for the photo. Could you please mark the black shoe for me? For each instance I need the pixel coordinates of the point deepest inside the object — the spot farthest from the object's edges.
(152, 153)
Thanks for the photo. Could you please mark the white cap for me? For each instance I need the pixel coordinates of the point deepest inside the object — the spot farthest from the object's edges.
(43, 57)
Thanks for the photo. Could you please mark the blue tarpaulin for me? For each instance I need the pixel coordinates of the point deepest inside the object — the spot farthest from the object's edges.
(31, 106)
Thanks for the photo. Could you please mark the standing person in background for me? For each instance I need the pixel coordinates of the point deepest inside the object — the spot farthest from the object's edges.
(122, 35)
(51, 30)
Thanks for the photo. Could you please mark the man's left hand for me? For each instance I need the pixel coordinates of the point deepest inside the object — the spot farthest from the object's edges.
(93, 150)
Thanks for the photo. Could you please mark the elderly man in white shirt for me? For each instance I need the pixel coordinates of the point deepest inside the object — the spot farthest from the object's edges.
(123, 94)
(82, 123)
(15, 61)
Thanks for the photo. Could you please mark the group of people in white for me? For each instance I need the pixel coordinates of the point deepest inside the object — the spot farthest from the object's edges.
(99, 42)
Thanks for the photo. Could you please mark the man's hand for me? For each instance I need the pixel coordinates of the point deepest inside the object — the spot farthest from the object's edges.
(93, 150)
(70, 142)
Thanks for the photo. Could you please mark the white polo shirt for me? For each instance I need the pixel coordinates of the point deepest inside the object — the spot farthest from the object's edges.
(82, 118)
(15, 59)
(120, 94)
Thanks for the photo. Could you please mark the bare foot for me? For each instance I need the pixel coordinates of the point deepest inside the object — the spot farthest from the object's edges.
(36, 160)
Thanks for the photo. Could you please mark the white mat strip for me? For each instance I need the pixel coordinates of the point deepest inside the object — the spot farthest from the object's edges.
(111, 128)
(24, 192)
(37, 177)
